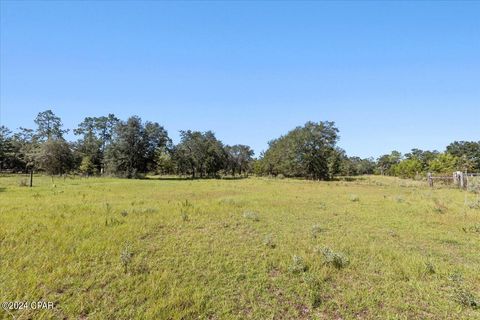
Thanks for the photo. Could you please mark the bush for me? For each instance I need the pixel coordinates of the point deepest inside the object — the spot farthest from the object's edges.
(268, 241)
(251, 215)
(316, 229)
(298, 265)
(354, 198)
(336, 259)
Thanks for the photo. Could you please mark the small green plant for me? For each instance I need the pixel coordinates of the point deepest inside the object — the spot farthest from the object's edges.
(439, 207)
(314, 290)
(126, 257)
(316, 230)
(430, 268)
(466, 297)
(354, 198)
(108, 209)
(474, 204)
(298, 265)
(251, 215)
(268, 241)
(184, 216)
(336, 259)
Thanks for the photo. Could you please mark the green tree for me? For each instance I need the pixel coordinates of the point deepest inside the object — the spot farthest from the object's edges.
(49, 126)
(309, 151)
(468, 153)
(54, 157)
(408, 168)
(387, 161)
(239, 158)
(199, 154)
(87, 166)
(444, 163)
(133, 148)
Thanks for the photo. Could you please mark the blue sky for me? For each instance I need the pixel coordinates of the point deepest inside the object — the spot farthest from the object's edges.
(392, 75)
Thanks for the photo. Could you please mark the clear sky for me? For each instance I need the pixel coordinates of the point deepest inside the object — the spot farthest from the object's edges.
(392, 75)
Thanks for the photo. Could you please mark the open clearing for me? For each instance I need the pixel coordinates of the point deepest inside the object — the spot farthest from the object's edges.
(103, 248)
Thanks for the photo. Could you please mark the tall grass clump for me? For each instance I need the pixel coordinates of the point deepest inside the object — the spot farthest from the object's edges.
(298, 265)
(269, 242)
(251, 215)
(316, 230)
(336, 259)
(126, 257)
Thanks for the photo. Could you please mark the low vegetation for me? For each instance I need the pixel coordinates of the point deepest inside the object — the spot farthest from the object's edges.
(257, 248)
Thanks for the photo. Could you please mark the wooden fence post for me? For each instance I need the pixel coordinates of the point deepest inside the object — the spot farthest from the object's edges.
(430, 180)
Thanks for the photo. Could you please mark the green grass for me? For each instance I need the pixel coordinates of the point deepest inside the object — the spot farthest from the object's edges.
(372, 248)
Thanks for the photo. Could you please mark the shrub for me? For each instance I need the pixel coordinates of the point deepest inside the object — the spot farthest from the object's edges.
(298, 265)
(314, 290)
(126, 257)
(336, 259)
(280, 176)
(268, 241)
(316, 229)
(430, 267)
(474, 184)
(466, 298)
(354, 198)
(251, 215)
(439, 206)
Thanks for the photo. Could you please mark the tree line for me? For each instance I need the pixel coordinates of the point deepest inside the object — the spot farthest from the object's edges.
(133, 148)
(108, 145)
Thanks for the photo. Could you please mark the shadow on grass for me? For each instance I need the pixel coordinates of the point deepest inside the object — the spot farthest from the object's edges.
(2, 189)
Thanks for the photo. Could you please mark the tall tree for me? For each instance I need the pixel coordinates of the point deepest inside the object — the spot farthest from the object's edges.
(55, 156)
(6, 147)
(309, 151)
(468, 153)
(89, 146)
(199, 154)
(239, 158)
(133, 147)
(49, 126)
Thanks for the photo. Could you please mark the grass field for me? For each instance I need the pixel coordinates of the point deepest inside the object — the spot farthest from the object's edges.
(372, 248)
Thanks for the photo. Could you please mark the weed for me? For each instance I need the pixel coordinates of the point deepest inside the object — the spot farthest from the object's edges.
(430, 267)
(336, 259)
(268, 241)
(474, 204)
(314, 290)
(466, 297)
(316, 230)
(354, 198)
(108, 209)
(184, 216)
(251, 215)
(298, 265)
(124, 213)
(126, 257)
(439, 207)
